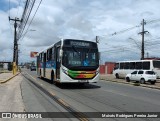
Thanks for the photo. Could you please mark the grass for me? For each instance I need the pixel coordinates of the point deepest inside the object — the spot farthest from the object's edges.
(136, 84)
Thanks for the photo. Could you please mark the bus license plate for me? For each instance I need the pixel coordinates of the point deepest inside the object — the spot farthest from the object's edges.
(83, 80)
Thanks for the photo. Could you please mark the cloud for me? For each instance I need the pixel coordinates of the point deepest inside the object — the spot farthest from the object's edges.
(6, 39)
(85, 19)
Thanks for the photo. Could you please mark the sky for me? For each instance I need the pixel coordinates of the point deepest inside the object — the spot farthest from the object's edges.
(84, 19)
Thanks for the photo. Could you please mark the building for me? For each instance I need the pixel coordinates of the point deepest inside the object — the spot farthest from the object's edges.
(5, 65)
(153, 58)
(107, 68)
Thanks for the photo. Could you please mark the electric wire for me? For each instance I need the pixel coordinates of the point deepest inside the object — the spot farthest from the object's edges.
(32, 19)
(25, 16)
(152, 21)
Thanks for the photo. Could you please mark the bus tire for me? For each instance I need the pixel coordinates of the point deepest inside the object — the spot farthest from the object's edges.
(142, 81)
(127, 79)
(40, 74)
(117, 76)
(52, 77)
(153, 82)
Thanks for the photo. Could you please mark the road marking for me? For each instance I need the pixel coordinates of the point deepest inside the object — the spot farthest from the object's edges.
(32, 76)
(52, 93)
(63, 102)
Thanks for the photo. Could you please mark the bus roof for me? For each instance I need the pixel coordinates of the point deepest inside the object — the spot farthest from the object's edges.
(45, 50)
(137, 61)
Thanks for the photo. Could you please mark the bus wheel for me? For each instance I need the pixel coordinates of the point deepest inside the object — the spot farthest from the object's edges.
(142, 81)
(117, 76)
(127, 79)
(40, 74)
(153, 82)
(52, 77)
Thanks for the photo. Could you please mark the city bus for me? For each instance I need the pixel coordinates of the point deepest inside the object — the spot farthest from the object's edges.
(123, 68)
(69, 61)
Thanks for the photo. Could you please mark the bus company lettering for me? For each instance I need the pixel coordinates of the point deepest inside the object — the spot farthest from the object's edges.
(84, 44)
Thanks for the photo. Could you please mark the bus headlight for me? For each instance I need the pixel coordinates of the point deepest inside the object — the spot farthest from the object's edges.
(97, 72)
(65, 71)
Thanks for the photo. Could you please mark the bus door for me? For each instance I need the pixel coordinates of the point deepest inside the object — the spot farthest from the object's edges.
(58, 62)
(44, 65)
(37, 64)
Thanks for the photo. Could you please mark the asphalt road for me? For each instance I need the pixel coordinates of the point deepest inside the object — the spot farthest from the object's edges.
(103, 96)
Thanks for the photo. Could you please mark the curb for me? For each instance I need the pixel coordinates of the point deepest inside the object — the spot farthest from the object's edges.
(130, 83)
(9, 78)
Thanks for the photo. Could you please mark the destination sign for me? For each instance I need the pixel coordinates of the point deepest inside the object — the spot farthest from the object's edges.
(78, 43)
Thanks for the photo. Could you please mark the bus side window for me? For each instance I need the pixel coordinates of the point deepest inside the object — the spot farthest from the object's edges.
(39, 57)
(132, 65)
(146, 65)
(126, 65)
(49, 54)
(52, 54)
(121, 65)
(138, 65)
(116, 66)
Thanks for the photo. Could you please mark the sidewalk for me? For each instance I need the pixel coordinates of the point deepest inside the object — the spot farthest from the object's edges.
(11, 97)
(110, 77)
(4, 77)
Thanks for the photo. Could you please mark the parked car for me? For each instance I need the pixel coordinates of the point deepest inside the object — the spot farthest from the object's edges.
(33, 68)
(142, 76)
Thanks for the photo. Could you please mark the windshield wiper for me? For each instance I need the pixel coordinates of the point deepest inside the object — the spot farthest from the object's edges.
(74, 49)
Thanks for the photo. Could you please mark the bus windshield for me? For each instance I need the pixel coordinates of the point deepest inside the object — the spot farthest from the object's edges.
(156, 64)
(74, 57)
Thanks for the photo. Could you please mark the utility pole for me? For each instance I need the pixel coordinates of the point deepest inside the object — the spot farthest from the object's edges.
(97, 39)
(147, 55)
(15, 50)
(142, 33)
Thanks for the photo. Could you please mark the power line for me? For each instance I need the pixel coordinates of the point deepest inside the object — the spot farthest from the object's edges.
(128, 29)
(122, 31)
(152, 21)
(25, 16)
(125, 30)
(33, 18)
